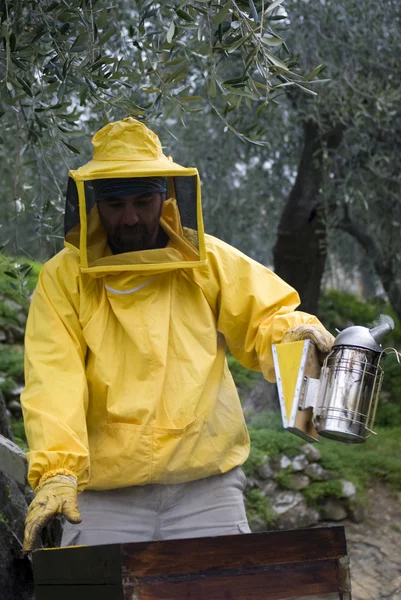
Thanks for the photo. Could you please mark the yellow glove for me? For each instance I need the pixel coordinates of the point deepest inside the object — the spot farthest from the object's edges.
(320, 336)
(56, 495)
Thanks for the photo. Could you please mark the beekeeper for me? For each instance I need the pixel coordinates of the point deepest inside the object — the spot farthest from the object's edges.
(128, 400)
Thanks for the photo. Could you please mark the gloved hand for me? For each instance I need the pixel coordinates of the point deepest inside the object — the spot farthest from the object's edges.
(320, 336)
(56, 495)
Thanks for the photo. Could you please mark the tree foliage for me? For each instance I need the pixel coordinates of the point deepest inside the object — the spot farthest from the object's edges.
(69, 67)
(210, 75)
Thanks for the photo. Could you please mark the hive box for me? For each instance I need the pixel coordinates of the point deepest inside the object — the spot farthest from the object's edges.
(302, 564)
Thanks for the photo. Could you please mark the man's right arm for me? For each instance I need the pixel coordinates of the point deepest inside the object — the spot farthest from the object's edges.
(55, 397)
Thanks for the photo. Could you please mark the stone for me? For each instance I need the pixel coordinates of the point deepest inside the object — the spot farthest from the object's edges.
(263, 397)
(285, 501)
(22, 318)
(13, 461)
(264, 470)
(311, 452)
(12, 305)
(357, 512)
(269, 488)
(333, 509)
(18, 333)
(5, 428)
(348, 490)
(299, 517)
(298, 481)
(284, 462)
(317, 473)
(299, 463)
(15, 408)
(13, 505)
(17, 391)
(3, 336)
(252, 482)
(15, 570)
(256, 523)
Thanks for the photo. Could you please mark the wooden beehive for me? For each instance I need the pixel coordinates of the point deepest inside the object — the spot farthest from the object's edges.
(302, 564)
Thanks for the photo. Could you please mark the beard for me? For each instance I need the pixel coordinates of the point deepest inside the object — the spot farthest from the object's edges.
(133, 238)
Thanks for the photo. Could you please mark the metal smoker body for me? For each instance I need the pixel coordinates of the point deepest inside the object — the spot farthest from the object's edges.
(349, 385)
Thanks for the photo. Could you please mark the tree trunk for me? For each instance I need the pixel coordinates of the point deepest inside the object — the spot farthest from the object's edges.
(385, 267)
(300, 250)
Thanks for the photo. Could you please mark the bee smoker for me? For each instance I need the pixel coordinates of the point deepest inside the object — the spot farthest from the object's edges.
(349, 384)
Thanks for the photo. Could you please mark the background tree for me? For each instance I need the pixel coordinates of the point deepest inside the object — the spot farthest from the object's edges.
(209, 76)
(68, 67)
(348, 175)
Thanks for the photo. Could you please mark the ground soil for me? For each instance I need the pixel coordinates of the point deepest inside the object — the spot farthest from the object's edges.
(374, 547)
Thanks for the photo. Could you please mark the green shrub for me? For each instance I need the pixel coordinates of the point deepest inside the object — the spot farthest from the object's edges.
(18, 430)
(318, 490)
(8, 314)
(7, 386)
(266, 420)
(388, 415)
(258, 508)
(284, 478)
(256, 459)
(18, 278)
(273, 443)
(338, 310)
(11, 361)
(243, 378)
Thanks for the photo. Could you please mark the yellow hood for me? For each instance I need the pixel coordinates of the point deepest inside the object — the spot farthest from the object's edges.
(128, 148)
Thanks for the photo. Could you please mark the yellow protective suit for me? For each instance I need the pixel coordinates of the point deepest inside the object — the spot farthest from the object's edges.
(126, 377)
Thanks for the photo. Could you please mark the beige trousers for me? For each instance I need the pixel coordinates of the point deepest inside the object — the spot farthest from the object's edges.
(207, 507)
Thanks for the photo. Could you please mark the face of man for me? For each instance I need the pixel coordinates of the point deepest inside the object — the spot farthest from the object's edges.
(132, 222)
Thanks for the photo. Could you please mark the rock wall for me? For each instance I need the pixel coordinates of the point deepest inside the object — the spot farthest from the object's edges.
(299, 492)
(15, 569)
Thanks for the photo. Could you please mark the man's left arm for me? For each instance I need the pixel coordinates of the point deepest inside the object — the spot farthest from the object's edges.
(256, 309)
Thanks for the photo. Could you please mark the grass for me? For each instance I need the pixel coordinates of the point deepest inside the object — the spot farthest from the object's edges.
(379, 458)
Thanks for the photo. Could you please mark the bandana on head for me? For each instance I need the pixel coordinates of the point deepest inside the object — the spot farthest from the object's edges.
(112, 188)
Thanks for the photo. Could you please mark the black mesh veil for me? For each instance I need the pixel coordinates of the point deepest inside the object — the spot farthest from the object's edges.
(185, 193)
(181, 188)
(71, 216)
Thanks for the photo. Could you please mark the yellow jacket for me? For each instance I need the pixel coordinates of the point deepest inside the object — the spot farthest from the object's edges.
(126, 377)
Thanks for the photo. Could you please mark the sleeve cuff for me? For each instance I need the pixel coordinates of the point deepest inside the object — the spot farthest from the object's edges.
(55, 472)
